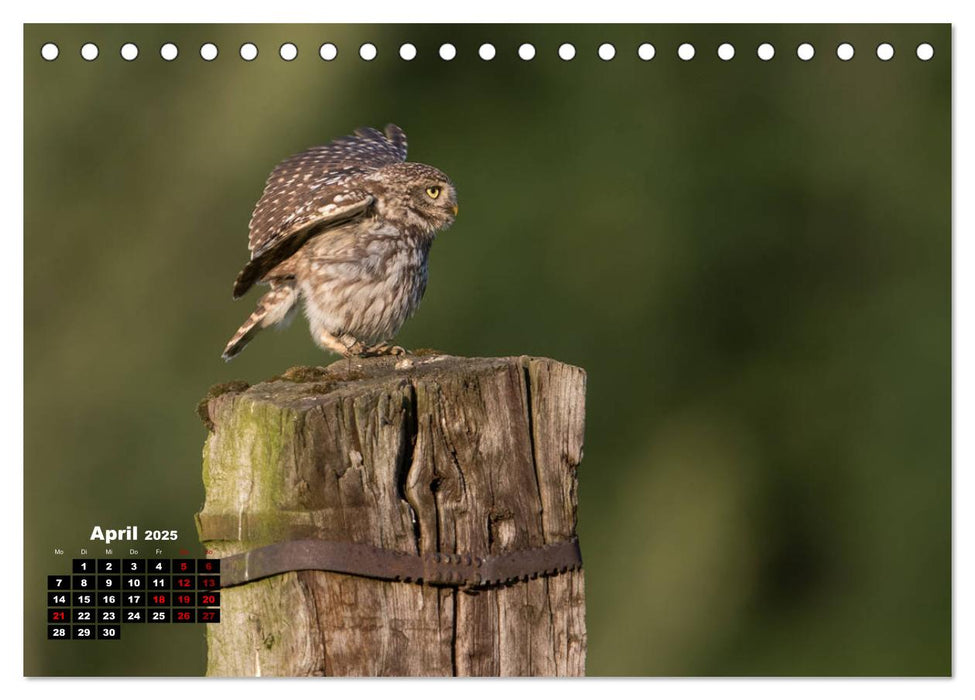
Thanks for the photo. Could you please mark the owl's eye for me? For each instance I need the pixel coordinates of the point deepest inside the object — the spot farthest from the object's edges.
(433, 192)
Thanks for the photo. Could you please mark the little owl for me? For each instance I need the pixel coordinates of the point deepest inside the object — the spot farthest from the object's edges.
(346, 228)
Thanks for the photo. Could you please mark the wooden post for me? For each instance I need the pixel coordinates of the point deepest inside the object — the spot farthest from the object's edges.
(418, 454)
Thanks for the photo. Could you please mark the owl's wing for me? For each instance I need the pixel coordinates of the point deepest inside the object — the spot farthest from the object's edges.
(312, 192)
(284, 246)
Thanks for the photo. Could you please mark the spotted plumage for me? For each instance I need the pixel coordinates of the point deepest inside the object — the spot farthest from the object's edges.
(345, 228)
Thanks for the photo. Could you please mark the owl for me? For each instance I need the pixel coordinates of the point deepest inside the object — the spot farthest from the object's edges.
(345, 229)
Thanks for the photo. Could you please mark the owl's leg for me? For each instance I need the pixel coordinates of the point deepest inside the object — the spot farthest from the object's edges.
(330, 342)
(347, 346)
(353, 347)
(385, 349)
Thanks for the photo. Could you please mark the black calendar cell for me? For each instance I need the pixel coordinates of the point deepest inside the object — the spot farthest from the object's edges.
(58, 583)
(58, 615)
(208, 566)
(208, 615)
(133, 615)
(109, 600)
(208, 582)
(109, 616)
(207, 598)
(109, 632)
(83, 600)
(184, 600)
(109, 582)
(59, 632)
(132, 599)
(83, 616)
(83, 566)
(134, 566)
(54, 599)
(184, 566)
(133, 583)
(184, 583)
(158, 583)
(184, 615)
(83, 583)
(83, 631)
(161, 615)
(158, 566)
(159, 599)
(109, 566)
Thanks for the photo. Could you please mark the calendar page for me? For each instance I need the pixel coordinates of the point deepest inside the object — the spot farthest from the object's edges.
(741, 233)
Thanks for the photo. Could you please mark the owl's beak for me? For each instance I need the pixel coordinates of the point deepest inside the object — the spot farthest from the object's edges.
(455, 209)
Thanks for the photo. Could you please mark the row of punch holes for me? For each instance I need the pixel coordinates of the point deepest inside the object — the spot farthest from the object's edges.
(487, 52)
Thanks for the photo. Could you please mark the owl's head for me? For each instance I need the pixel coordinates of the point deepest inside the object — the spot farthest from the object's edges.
(417, 196)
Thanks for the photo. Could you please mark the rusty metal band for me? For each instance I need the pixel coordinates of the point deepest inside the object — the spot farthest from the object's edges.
(374, 562)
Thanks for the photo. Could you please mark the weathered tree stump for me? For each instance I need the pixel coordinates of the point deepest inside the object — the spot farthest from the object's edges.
(416, 454)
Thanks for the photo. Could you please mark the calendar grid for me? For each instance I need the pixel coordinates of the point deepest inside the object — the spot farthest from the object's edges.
(99, 596)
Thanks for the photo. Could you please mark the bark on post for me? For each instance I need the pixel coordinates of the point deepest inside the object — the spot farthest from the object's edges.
(417, 454)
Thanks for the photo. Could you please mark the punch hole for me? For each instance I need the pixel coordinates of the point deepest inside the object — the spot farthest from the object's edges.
(208, 51)
(607, 51)
(487, 52)
(845, 51)
(288, 51)
(726, 52)
(686, 52)
(368, 52)
(169, 52)
(448, 52)
(646, 52)
(766, 52)
(129, 51)
(526, 52)
(407, 52)
(885, 52)
(248, 51)
(89, 52)
(50, 51)
(805, 52)
(925, 51)
(328, 51)
(567, 52)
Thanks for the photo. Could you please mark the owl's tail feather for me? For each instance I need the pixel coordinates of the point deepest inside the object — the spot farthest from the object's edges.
(273, 307)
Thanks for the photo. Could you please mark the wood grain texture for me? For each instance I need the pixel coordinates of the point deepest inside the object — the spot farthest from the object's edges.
(417, 454)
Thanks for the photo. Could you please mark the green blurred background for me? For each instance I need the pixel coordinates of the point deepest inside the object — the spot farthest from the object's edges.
(750, 259)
